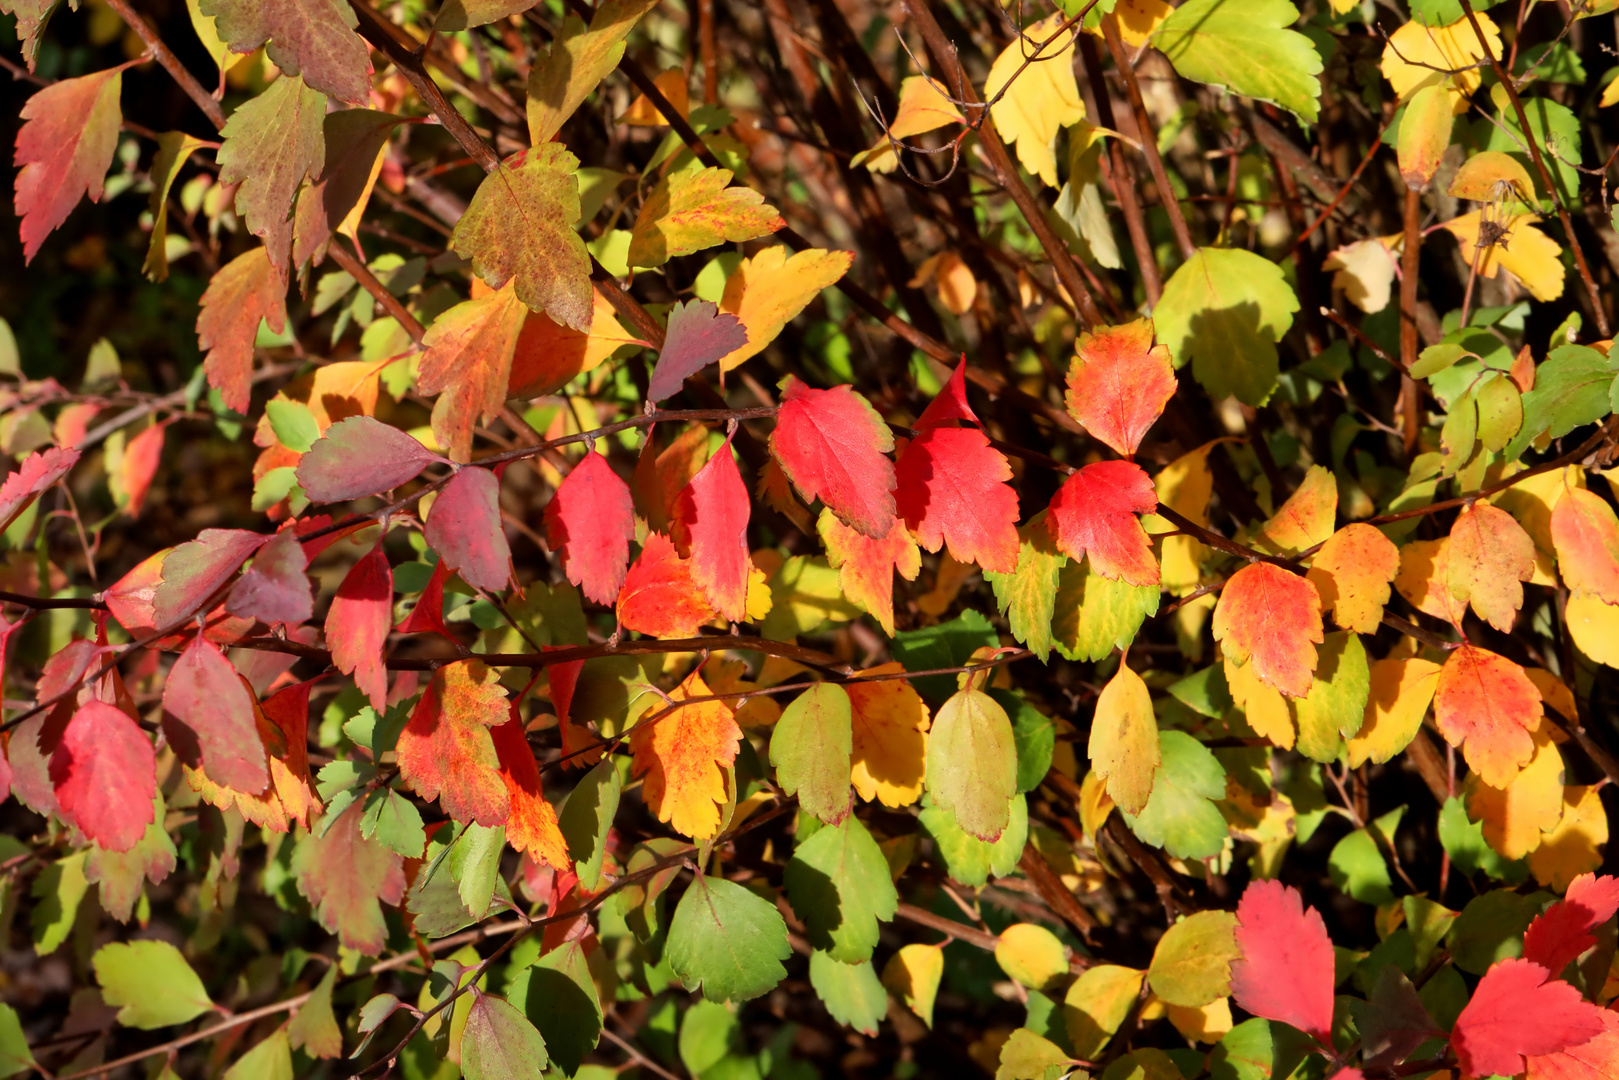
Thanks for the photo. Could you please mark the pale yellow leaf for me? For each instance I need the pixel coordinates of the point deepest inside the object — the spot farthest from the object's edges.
(1044, 99)
(1032, 955)
(1574, 847)
(1594, 626)
(913, 975)
(1480, 174)
(1263, 705)
(1364, 270)
(1124, 740)
(1414, 51)
(1402, 689)
(1514, 817)
(924, 106)
(1523, 251)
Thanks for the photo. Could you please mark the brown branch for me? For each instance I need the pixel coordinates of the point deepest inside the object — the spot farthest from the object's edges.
(1121, 176)
(1410, 257)
(356, 269)
(42, 604)
(165, 56)
(1051, 889)
(1149, 145)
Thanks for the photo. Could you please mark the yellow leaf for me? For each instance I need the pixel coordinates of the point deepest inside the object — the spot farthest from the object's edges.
(1184, 485)
(1138, 19)
(1305, 519)
(1532, 500)
(1523, 251)
(768, 290)
(672, 85)
(1263, 705)
(1594, 626)
(1364, 270)
(889, 755)
(1094, 804)
(1424, 570)
(1610, 94)
(684, 757)
(1574, 847)
(1554, 693)
(1124, 740)
(1097, 1004)
(924, 106)
(1402, 689)
(1480, 174)
(1513, 817)
(1352, 572)
(913, 975)
(955, 282)
(1032, 955)
(1415, 50)
(1424, 135)
(1344, 7)
(1044, 99)
(1205, 1025)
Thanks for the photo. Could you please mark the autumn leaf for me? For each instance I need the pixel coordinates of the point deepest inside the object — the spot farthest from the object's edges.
(660, 596)
(1586, 535)
(1028, 595)
(1123, 744)
(549, 356)
(684, 756)
(924, 106)
(711, 524)
(314, 38)
(357, 625)
(209, 715)
(1595, 1059)
(1286, 969)
(446, 751)
(660, 476)
(337, 195)
(1364, 270)
(689, 211)
(767, 291)
(888, 758)
(360, 456)
(1401, 690)
(1514, 817)
(531, 826)
(1119, 383)
(811, 749)
(1271, 618)
(951, 277)
(1489, 556)
(65, 147)
(273, 142)
(1094, 513)
(1486, 705)
(35, 474)
(1523, 251)
(866, 567)
(698, 334)
(520, 226)
(579, 58)
(241, 293)
(136, 470)
(833, 446)
(1419, 55)
(1305, 519)
(1563, 931)
(1042, 101)
(274, 589)
(347, 879)
(1424, 577)
(1353, 572)
(672, 85)
(1478, 176)
(467, 361)
(1575, 846)
(1518, 1010)
(972, 763)
(194, 571)
(464, 528)
(1424, 135)
(590, 522)
(105, 775)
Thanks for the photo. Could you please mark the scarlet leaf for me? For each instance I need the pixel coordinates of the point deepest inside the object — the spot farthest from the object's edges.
(347, 879)
(698, 334)
(951, 489)
(1094, 513)
(660, 476)
(1597, 1059)
(357, 625)
(241, 293)
(274, 589)
(590, 522)
(105, 775)
(1586, 534)
(532, 824)
(1272, 619)
(711, 523)
(464, 528)
(1119, 383)
(209, 713)
(38, 472)
(832, 445)
(1563, 931)
(1519, 1011)
(314, 38)
(1285, 972)
(467, 361)
(428, 614)
(273, 142)
(684, 756)
(357, 457)
(659, 596)
(1486, 705)
(288, 710)
(65, 147)
(1490, 555)
(446, 751)
(139, 466)
(866, 567)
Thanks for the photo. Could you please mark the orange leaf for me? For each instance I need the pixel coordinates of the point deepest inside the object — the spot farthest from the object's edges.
(889, 757)
(467, 361)
(1094, 513)
(1586, 534)
(660, 476)
(242, 292)
(65, 148)
(684, 757)
(866, 567)
(446, 751)
(1119, 383)
(1424, 571)
(549, 355)
(1486, 705)
(1305, 519)
(1272, 619)
(1490, 556)
(659, 596)
(532, 825)
(1352, 572)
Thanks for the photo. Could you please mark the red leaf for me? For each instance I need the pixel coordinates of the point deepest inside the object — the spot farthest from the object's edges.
(579, 749)
(1518, 1011)
(208, 715)
(242, 292)
(37, 472)
(65, 148)
(590, 522)
(1119, 383)
(1285, 972)
(832, 446)
(274, 589)
(659, 478)
(141, 459)
(1094, 513)
(698, 334)
(446, 751)
(347, 879)
(1485, 704)
(357, 625)
(105, 775)
(1272, 619)
(1563, 931)
(464, 528)
(952, 490)
(711, 523)
(1597, 1059)
(659, 596)
(532, 824)
(360, 456)
(428, 614)
(950, 404)
(195, 570)
(288, 710)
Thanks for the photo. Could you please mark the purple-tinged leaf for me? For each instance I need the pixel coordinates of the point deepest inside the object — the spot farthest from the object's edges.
(360, 456)
(274, 589)
(208, 714)
(464, 528)
(194, 570)
(698, 334)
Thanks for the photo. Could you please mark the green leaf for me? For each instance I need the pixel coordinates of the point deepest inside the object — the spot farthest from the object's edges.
(810, 748)
(520, 224)
(558, 995)
(1463, 840)
(948, 644)
(1556, 130)
(1191, 965)
(294, 425)
(1247, 48)
(1500, 412)
(1144, 1064)
(1027, 1056)
(1180, 816)
(840, 885)
(1035, 735)
(1429, 921)
(313, 1028)
(395, 822)
(272, 143)
(1223, 312)
(727, 940)
(1444, 12)
(1358, 868)
(498, 1042)
(59, 889)
(1027, 596)
(852, 993)
(970, 860)
(475, 866)
(709, 1033)
(15, 1057)
(1336, 704)
(1571, 390)
(972, 763)
(1490, 928)
(269, 1060)
(151, 982)
(587, 816)
(1096, 615)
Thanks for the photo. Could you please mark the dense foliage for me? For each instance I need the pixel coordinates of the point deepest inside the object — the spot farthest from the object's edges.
(781, 540)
